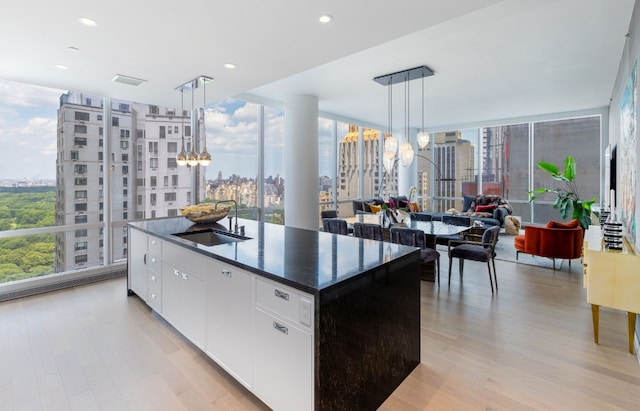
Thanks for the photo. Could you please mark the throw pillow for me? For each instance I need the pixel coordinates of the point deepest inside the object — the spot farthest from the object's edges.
(413, 207)
(485, 208)
(375, 208)
(391, 203)
(556, 224)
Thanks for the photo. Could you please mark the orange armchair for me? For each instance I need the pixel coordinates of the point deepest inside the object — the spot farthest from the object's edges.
(555, 240)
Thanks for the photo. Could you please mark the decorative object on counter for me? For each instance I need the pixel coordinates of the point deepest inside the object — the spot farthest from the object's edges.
(566, 198)
(612, 235)
(205, 213)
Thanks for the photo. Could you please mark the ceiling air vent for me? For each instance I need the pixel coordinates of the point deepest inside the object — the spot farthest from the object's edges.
(128, 80)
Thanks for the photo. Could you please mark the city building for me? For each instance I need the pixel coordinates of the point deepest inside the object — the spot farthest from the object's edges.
(145, 180)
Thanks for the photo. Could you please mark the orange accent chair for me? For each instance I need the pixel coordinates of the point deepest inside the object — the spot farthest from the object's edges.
(555, 240)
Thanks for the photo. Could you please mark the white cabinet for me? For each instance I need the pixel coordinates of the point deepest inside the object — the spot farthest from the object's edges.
(229, 320)
(144, 267)
(183, 292)
(283, 339)
(136, 264)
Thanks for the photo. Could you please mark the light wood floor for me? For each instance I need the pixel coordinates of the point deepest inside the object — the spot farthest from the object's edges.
(529, 347)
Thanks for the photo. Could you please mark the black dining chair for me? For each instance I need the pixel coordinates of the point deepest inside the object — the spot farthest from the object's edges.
(420, 216)
(335, 226)
(460, 221)
(329, 214)
(368, 230)
(475, 251)
(416, 238)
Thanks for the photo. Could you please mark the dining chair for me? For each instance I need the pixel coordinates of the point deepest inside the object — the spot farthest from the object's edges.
(329, 214)
(416, 238)
(475, 251)
(335, 226)
(460, 221)
(368, 230)
(420, 217)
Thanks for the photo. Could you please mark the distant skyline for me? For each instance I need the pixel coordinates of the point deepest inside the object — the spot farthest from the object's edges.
(28, 146)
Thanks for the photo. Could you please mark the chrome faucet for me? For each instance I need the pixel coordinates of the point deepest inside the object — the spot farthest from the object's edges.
(235, 229)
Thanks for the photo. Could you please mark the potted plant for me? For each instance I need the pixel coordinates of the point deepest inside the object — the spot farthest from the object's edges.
(567, 199)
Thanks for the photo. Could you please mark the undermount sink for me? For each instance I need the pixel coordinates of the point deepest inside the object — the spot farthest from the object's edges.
(211, 237)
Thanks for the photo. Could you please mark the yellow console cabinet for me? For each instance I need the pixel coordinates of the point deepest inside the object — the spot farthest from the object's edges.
(612, 279)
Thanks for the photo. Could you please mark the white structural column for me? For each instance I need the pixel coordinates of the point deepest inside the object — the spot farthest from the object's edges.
(301, 161)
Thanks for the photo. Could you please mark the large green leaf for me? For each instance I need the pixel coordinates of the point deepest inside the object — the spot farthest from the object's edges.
(548, 167)
(570, 168)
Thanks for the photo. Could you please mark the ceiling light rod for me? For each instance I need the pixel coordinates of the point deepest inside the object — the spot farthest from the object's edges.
(190, 85)
(404, 75)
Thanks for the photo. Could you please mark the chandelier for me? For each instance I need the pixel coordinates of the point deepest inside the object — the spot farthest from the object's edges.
(390, 142)
(193, 158)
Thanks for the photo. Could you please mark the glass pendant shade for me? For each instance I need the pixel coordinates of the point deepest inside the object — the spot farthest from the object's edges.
(181, 158)
(423, 139)
(204, 158)
(391, 145)
(406, 154)
(388, 159)
(192, 157)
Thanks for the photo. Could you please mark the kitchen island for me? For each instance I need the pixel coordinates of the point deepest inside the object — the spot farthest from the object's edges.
(303, 319)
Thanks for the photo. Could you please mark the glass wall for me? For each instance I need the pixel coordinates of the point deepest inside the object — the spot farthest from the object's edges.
(274, 184)
(232, 140)
(499, 160)
(553, 141)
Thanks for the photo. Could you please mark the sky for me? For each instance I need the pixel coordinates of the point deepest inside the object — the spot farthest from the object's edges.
(28, 122)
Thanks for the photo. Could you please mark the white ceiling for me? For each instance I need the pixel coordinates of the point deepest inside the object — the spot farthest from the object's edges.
(492, 59)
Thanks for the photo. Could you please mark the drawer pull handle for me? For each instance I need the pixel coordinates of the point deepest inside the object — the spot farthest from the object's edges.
(281, 328)
(176, 272)
(281, 294)
(185, 276)
(226, 273)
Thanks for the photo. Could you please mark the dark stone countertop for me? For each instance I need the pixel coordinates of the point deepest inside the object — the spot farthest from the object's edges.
(309, 260)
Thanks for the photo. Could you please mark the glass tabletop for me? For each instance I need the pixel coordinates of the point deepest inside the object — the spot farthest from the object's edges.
(429, 227)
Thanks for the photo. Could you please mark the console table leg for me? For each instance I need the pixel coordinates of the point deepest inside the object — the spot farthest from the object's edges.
(631, 319)
(595, 316)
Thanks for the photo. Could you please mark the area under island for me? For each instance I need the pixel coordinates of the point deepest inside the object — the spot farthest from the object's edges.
(305, 320)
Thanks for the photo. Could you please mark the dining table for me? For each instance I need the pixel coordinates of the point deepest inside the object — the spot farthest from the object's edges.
(432, 229)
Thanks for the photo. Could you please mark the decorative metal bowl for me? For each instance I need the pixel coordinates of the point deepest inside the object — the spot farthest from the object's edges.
(205, 213)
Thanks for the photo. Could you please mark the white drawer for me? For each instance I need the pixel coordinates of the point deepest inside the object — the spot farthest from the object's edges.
(154, 263)
(154, 245)
(154, 299)
(285, 301)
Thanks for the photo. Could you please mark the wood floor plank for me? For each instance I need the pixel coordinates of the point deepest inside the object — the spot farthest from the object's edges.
(528, 346)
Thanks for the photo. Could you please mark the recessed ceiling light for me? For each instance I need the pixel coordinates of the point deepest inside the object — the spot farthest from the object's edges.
(61, 66)
(325, 18)
(229, 65)
(88, 22)
(128, 80)
(74, 49)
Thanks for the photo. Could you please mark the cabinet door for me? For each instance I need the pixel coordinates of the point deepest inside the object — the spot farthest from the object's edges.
(193, 311)
(283, 364)
(137, 268)
(229, 323)
(171, 294)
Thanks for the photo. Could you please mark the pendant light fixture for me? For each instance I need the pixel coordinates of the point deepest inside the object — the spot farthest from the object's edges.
(406, 151)
(204, 158)
(423, 136)
(181, 158)
(390, 142)
(192, 158)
